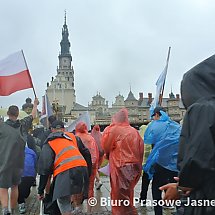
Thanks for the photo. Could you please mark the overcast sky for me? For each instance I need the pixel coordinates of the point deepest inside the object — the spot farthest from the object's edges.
(115, 44)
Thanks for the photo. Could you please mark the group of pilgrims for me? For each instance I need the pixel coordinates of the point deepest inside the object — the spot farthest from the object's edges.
(180, 161)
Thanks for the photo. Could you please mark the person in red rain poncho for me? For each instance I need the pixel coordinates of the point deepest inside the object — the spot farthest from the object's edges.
(96, 134)
(124, 147)
(89, 142)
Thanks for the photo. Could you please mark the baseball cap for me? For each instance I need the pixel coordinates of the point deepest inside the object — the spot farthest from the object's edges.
(57, 124)
(157, 110)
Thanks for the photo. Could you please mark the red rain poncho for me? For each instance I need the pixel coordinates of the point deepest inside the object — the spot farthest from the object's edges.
(90, 143)
(96, 134)
(124, 147)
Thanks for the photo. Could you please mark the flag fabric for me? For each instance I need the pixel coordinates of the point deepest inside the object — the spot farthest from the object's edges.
(14, 74)
(84, 117)
(105, 170)
(46, 110)
(159, 86)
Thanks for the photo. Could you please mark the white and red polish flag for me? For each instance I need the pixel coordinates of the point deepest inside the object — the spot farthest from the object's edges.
(14, 74)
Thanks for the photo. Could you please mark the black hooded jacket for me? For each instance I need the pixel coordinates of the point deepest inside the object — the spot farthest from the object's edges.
(64, 183)
(196, 157)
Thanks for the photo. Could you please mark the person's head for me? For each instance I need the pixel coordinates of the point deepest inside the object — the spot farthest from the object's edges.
(57, 126)
(198, 82)
(157, 113)
(96, 128)
(13, 112)
(81, 127)
(51, 119)
(121, 117)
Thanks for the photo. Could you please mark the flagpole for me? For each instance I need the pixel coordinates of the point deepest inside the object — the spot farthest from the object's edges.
(28, 73)
(46, 106)
(167, 62)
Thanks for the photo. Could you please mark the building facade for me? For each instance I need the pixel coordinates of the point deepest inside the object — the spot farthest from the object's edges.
(61, 94)
(138, 109)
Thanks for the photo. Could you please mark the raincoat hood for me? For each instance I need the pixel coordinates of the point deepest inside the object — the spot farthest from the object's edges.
(198, 82)
(96, 128)
(81, 127)
(121, 117)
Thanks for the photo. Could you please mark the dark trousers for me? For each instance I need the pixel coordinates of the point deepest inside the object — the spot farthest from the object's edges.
(24, 188)
(161, 177)
(144, 188)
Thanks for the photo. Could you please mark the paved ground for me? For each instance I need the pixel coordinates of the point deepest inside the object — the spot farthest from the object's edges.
(33, 205)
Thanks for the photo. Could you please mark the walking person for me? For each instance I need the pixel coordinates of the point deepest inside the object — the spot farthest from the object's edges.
(196, 157)
(161, 165)
(89, 142)
(145, 178)
(66, 157)
(28, 178)
(124, 148)
(13, 137)
(96, 134)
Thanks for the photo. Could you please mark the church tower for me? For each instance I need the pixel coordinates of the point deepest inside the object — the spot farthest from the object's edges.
(60, 91)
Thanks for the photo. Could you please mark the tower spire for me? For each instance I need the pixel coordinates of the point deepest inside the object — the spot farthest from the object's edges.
(65, 17)
(65, 44)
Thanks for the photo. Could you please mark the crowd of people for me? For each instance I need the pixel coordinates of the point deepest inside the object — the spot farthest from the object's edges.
(180, 160)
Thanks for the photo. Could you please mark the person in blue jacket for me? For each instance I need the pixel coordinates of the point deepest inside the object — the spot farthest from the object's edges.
(161, 164)
(28, 178)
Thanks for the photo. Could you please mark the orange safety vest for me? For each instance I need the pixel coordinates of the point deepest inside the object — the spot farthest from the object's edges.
(67, 154)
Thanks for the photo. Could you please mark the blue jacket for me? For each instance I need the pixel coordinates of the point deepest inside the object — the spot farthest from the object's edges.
(30, 163)
(164, 134)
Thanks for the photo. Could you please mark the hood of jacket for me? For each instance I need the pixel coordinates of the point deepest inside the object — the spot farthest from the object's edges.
(14, 124)
(198, 82)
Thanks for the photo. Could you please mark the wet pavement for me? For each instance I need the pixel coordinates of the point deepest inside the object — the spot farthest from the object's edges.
(101, 207)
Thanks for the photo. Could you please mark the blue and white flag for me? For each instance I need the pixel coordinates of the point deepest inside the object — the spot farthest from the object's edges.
(160, 85)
